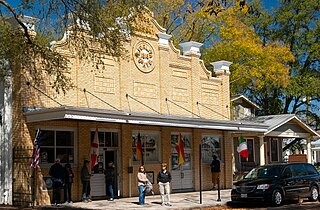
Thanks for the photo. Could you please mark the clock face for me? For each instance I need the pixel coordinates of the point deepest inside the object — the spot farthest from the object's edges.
(143, 54)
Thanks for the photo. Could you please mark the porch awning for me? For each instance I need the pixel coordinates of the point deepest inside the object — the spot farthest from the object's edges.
(102, 115)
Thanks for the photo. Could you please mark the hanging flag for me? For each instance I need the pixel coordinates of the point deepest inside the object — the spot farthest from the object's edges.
(180, 150)
(139, 149)
(95, 149)
(36, 151)
(243, 148)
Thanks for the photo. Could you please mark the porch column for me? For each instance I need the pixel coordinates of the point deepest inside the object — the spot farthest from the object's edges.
(262, 152)
(309, 159)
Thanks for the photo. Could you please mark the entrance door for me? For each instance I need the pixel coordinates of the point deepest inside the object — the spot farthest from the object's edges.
(182, 176)
(112, 156)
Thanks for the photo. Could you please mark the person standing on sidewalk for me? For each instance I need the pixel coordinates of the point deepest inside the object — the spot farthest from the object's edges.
(142, 181)
(164, 179)
(85, 179)
(109, 176)
(68, 183)
(57, 175)
(215, 171)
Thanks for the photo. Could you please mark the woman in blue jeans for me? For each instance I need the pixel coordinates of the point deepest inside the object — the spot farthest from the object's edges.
(142, 181)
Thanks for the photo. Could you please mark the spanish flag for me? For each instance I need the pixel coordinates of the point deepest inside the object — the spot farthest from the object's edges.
(180, 151)
(139, 149)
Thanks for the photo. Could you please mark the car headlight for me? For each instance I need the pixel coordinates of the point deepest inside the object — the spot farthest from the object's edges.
(263, 186)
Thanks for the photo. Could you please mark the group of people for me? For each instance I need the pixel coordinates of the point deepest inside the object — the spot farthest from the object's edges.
(163, 180)
(63, 176)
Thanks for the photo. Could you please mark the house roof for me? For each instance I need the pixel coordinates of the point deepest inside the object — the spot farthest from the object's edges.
(276, 121)
(238, 97)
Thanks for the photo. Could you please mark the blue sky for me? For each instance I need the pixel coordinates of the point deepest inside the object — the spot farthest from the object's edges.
(267, 3)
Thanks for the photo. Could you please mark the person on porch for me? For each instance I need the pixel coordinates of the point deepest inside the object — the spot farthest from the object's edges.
(215, 171)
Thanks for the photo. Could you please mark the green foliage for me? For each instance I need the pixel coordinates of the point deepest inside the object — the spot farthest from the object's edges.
(107, 24)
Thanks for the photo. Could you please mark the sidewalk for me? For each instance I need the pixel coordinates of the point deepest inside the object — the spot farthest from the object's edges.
(190, 200)
(186, 201)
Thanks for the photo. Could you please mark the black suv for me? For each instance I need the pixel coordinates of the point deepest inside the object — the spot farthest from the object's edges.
(277, 182)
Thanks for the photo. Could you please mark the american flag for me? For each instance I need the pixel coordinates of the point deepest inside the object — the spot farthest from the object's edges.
(36, 151)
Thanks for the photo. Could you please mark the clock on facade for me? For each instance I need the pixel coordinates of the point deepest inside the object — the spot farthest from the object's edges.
(143, 54)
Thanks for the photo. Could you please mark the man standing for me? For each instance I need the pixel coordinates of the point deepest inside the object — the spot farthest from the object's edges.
(164, 179)
(109, 175)
(85, 179)
(57, 175)
(215, 171)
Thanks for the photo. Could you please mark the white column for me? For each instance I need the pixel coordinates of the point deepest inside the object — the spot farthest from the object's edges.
(309, 150)
(6, 140)
(262, 152)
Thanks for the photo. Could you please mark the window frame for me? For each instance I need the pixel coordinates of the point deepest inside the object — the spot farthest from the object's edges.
(55, 129)
(134, 135)
(220, 156)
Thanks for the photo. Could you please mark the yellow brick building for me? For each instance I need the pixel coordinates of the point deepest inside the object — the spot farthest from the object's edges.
(157, 91)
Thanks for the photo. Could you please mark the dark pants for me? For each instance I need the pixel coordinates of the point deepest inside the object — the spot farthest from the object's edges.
(67, 192)
(56, 188)
(86, 190)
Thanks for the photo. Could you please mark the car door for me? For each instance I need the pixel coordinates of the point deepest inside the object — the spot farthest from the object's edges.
(288, 182)
(300, 179)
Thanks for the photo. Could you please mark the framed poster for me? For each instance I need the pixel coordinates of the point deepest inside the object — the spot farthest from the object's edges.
(150, 176)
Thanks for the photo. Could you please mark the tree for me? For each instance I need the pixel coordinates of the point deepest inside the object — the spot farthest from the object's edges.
(108, 23)
(295, 24)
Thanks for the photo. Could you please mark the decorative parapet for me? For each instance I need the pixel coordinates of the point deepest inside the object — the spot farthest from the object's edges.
(221, 67)
(28, 21)
(164, 38)
(191, 48)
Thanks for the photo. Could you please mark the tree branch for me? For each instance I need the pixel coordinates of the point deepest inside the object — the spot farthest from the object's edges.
(16, 17)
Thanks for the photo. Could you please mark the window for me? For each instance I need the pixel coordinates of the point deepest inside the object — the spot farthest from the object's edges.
(57, 144)
(298, 170)
(150, 142)
(186, 141)
(311, 169)
(274, 150)
(250, 146)
(211, 145)
(107, 139)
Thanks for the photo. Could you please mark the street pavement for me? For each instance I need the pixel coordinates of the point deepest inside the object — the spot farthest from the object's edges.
(190, 200)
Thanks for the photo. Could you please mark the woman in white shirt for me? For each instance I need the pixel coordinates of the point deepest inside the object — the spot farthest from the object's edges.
(142, 181)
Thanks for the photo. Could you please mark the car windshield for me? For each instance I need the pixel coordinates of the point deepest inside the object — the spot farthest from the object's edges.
(264, 172)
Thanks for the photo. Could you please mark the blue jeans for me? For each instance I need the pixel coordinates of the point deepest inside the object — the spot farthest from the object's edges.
(110, 188)
(141, 194)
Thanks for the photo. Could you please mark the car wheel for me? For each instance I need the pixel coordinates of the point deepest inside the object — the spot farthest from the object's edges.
(277, 197)
(314, 193)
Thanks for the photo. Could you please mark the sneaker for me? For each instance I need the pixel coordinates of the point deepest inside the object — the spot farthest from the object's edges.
(85, 200)
(110, 199)
(168, 204)
(89, 200)
(70, 202)
(163, 204)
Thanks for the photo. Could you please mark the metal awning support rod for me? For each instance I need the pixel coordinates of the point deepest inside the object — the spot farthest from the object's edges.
(182, 107)
(198, 103)
(84, 90)
(29, 84)
(128, 96)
